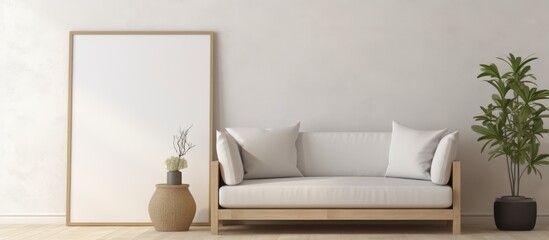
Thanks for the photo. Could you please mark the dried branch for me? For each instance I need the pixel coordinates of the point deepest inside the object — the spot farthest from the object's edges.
(181, 146)
(180, 142)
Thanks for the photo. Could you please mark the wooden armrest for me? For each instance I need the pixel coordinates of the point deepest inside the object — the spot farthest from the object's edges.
(456, 196)
(214, 197)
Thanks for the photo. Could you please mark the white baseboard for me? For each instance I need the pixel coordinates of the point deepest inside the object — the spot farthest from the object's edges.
(467, 219)
(485, 218)
(32, 218)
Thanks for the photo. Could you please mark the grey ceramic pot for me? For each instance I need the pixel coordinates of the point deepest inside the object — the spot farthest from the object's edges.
(174, 178)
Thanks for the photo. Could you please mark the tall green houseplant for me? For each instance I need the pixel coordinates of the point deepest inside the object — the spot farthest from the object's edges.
(512, 125)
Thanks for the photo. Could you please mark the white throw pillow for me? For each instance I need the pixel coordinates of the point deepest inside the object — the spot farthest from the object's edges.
(268, 153)
(411, 152)
(441, 168)
(229, 158)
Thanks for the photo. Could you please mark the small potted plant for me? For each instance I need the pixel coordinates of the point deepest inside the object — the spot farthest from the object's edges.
(176, 163)
(510, 128)
(172, 206)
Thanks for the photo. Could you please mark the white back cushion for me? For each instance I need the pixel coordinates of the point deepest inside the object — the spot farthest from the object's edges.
(441, 168)
(343, 153)
(268, 153)
(412, 151)
(229, 158)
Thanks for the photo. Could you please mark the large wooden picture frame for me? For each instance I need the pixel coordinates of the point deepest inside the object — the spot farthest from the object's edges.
(129, 93)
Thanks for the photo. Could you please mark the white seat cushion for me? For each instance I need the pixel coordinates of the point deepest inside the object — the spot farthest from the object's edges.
(335, 192)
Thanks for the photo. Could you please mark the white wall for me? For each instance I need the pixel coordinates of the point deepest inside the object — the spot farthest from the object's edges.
(347, 65)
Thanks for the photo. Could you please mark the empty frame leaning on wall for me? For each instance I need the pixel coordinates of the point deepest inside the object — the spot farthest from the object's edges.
(129, 93)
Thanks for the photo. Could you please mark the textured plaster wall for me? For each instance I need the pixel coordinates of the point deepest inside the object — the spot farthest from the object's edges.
(346, 65)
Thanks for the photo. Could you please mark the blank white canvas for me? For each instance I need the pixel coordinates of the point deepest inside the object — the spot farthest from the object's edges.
(130, 95)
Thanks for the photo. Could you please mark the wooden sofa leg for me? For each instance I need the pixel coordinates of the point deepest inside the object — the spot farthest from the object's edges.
(456, 226)
(214, 227)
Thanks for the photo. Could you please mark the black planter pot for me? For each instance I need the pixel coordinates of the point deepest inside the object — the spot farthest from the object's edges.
(174, 178)
(515, 213)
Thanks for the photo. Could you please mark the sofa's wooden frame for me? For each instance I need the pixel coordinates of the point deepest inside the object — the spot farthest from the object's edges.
(217, 214)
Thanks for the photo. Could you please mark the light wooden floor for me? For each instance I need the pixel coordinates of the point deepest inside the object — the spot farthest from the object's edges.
(263, 232)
